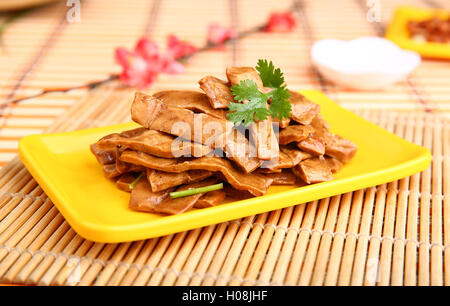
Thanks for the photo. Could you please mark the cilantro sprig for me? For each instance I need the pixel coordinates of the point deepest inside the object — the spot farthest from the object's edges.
(270, 76)
(255, 107)
(246, 112)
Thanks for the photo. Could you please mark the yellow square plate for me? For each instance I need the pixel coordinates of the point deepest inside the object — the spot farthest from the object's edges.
(398, 33)
(66, 170)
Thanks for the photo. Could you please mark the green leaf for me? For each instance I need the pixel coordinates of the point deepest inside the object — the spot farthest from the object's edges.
(189, 192)
(254, 106)
(247, 90)
(280, 107)
(270, 76)
(247, 113)
(253, 102)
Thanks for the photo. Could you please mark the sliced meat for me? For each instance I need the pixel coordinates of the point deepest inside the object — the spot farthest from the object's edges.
(110, 171)
(155, 115)
(144, 199)
(314, 170)
(265, 139)
(188, 99)
(210, 199)
(236, 194)
(340, 148)
(123, 167)
(321, 128)
(267, 170)
(124, 181)
(281, 123)
(286, 177)
(213, 132)
(294, 133)
(274, 165)
(289, 157)
(334, 164)
(312, 145)
(335, 145)
(218, 91)
(295, 154)
(160, 180)
(303, 110)
(238, 179)
(153, 142)
(117, 167)
(104, 156)
(237, 74)
(239, 149)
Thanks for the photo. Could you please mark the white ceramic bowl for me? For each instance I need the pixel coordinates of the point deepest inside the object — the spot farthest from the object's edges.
(364, 63)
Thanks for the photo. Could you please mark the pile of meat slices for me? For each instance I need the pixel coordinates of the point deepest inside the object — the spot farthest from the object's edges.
(433, 30)
(299, 150)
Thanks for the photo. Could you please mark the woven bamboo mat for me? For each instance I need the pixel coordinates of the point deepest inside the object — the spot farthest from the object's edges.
(392, 234)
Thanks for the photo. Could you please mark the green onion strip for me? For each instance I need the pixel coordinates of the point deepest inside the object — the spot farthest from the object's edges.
(134, 183)
(189, 192)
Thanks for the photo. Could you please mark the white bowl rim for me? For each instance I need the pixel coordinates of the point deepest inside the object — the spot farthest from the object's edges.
(414, 58)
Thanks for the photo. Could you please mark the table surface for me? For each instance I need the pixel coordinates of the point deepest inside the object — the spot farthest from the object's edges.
(42, 50)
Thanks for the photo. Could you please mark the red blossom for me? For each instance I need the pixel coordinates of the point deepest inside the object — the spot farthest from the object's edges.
(218, 34)
(179, 48)
(281, 22)
(142, 66)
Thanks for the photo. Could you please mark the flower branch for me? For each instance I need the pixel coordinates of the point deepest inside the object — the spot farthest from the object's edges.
(141, 66)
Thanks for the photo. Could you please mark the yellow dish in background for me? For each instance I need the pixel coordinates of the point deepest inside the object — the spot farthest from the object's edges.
(398, 33)
(69, 174)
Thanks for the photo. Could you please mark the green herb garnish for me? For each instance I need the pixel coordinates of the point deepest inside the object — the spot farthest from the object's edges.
(247, 112)
(134, 183)
(256, 106)
(270, 76)
(189, 192)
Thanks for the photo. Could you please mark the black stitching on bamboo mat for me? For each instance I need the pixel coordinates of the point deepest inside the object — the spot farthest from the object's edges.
(235, 25)
(298, 6)
(379, 28)
(154, 11)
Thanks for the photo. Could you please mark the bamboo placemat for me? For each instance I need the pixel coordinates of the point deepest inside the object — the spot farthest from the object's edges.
(392, 234)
